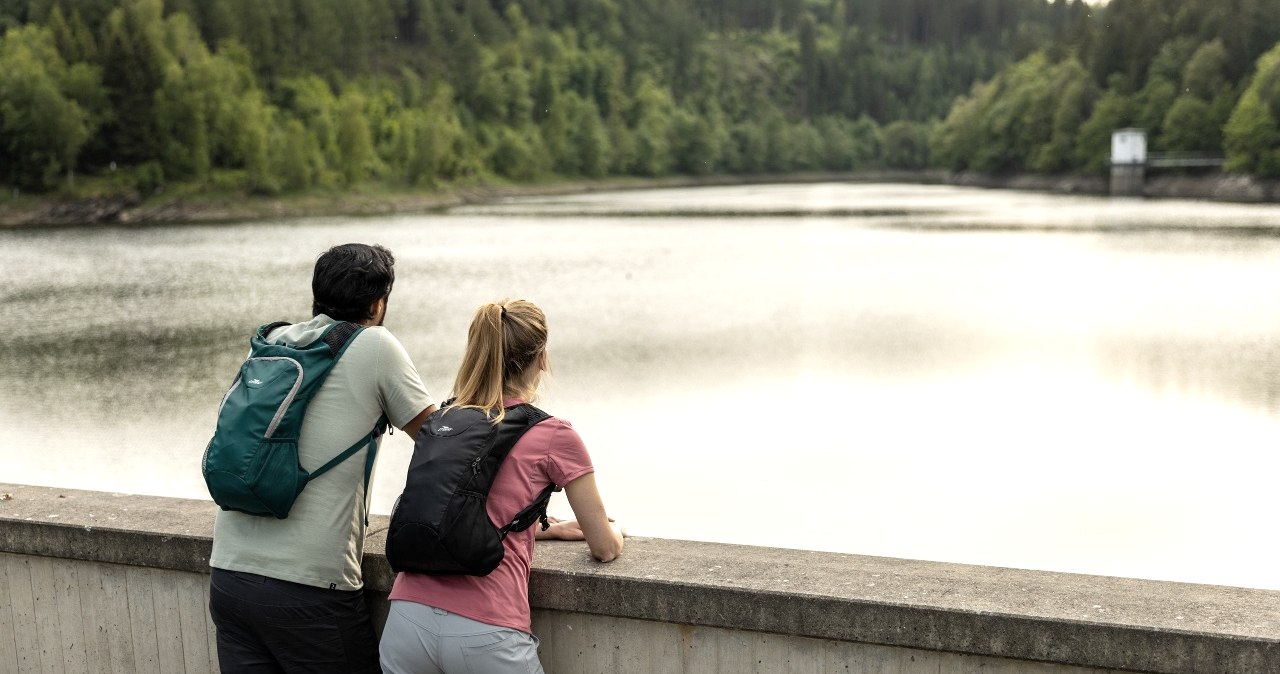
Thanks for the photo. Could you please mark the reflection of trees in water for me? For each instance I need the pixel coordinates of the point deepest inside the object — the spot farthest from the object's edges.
(867, 344)
(119, 371)
(1238, 369)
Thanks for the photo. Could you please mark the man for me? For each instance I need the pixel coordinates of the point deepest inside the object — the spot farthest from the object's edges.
(285, 595)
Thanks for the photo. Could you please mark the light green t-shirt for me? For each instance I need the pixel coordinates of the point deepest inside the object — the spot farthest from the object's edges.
(321, 543)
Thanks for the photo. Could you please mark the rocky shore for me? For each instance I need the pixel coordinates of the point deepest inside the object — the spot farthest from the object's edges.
(130, 209)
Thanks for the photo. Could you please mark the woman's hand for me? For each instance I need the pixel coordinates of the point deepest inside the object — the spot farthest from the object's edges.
(564, 530)
(570, 530)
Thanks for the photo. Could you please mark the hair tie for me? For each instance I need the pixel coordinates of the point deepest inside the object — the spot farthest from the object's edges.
(504, 311)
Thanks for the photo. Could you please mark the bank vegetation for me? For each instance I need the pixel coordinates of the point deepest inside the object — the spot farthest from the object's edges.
(277, 97)
(216, 99)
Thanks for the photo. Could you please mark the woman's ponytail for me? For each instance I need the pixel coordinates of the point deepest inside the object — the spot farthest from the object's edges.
(504, 340)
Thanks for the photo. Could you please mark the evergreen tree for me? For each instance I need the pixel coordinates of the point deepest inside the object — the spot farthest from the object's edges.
(134, 62)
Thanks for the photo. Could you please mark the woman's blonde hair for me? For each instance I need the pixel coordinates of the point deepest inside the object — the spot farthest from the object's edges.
(505, 340)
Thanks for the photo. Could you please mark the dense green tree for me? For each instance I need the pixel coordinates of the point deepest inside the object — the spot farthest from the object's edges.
(748, 148)
(652, 113)
(44, 115)
(354, 139)
(956, 142)
(436, 141)
(74, 39)
(1252, 136)
(513, 155)
(693, 142)
(906, 145)
(1191, 126)
(1075, 96)
(1205, 74)
(256, 120)
(809, 85)
(134, 62)
(296, 160)
(1151, 104)
(588, 139)
(804, 145)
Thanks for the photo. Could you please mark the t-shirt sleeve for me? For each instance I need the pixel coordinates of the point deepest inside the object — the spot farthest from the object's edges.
(567, 457)
(401, 392)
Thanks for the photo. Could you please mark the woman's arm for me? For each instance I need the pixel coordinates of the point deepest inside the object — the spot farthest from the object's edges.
(604, 537)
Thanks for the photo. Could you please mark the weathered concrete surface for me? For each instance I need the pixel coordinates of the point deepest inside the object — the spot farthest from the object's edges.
(1088, 621)
(105, 527)
(1064, 618)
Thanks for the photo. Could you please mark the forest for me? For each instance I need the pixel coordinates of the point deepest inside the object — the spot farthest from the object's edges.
(274, 96)
(1201, 76)
(279, 96)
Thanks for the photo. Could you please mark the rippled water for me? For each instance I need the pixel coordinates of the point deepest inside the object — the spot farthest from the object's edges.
(1065, 383)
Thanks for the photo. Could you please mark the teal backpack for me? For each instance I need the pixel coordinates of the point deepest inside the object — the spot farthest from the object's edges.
(251, 464)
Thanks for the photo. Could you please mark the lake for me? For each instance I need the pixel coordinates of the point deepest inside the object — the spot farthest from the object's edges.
(1015, 379)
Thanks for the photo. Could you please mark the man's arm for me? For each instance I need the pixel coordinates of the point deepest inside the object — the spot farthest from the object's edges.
(411, 428)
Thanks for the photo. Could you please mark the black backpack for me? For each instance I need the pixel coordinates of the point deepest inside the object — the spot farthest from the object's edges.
(439, 525)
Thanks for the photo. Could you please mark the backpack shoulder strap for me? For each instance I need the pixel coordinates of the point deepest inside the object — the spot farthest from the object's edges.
(524, 416)
(339, 337)
(264, 330)
(535, 413)
(518, 419)
(369, 439)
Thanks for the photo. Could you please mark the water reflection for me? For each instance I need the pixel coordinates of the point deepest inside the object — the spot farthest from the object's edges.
(1236, 368)
(943, 373)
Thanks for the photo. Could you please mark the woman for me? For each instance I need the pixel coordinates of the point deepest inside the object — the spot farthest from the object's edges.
(481, 623)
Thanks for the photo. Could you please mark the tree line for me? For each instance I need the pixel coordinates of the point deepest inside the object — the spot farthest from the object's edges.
(1197, 75)
(283, 95)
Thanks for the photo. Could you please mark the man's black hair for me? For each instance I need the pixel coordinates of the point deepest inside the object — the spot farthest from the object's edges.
(349, 278)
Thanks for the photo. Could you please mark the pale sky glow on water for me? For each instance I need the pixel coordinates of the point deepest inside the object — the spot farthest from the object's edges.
(1013, 379)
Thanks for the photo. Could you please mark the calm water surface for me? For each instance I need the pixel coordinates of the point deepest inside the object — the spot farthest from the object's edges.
(1064, 383)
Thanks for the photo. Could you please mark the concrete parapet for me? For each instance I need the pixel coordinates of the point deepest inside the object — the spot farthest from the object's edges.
(728, 594)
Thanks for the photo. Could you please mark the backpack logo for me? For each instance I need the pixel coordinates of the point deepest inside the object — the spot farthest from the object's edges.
(444, 429)
(255, 382)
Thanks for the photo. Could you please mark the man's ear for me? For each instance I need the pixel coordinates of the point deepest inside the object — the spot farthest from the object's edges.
(378, 309)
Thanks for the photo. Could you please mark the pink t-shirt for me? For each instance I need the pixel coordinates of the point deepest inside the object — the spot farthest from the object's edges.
(549, 452)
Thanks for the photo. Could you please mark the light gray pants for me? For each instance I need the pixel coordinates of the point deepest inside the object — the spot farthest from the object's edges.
(420, 639)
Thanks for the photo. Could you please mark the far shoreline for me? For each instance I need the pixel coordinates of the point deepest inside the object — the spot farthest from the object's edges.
(375, 200)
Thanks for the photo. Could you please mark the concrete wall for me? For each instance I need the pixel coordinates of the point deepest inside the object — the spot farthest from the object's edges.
(76, 617)
(587, 644)
(96, 582)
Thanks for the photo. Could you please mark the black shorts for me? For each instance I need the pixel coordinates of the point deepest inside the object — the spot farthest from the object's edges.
(269, 625)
